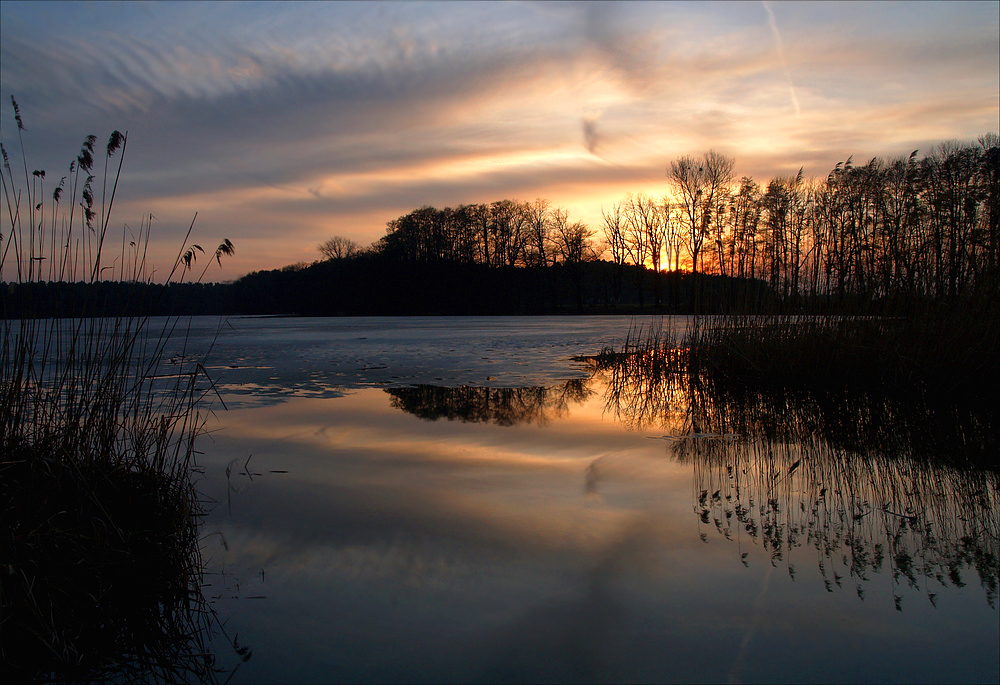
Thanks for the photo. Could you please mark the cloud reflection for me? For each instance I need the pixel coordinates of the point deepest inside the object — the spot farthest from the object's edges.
(487, 548)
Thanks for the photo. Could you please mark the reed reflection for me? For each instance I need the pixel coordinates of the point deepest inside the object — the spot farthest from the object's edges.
(907, 486)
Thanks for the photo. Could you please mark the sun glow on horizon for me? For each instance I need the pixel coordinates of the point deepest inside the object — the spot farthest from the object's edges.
(452, 168)
(283, 124)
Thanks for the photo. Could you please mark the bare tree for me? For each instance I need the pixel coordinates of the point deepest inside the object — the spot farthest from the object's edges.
(572, 240)
(539, 228)
(635, 243)
(573, 244)
(614, 232)
(338, 247)
(507, 231)
(614, 237)
(651, 222)
(698, 185)
(674, 237)
(744, 219)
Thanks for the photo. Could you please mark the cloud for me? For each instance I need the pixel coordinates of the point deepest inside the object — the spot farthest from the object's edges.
(773, 23)
(305, 115)
(590, 138)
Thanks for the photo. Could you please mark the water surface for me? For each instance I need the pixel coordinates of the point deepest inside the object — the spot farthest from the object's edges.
(459, 499)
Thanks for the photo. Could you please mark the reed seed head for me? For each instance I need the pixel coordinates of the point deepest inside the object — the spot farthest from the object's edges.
(86, 158)
(115, 142)
(17, 114)
(225, 248)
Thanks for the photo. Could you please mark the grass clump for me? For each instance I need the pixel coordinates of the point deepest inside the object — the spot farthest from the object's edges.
(100, 566)
(942, 349)
(949, 350)
(100, 573)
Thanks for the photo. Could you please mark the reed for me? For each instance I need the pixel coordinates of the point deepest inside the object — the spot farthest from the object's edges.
(947, 348)
(99, 557)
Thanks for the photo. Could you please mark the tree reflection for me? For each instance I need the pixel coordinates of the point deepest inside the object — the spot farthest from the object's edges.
(501, 406)
(906, 486)
(872, 483)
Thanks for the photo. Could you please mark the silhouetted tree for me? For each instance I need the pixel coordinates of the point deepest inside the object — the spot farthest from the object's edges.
(338, 247)
(614, 235)
(698, 185)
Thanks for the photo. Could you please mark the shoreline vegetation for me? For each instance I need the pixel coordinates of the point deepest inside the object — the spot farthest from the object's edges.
(100, 560)
(949, 351)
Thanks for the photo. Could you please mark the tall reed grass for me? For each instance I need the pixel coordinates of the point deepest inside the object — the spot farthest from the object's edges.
(99, 557)
(950, 349)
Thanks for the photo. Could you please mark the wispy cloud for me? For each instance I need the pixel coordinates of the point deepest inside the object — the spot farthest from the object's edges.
(773, 23)
(295, 120)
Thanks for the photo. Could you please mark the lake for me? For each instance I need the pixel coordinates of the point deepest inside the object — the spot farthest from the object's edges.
(462, 499)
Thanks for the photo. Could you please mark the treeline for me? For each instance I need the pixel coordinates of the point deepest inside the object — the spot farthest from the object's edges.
(890, 232)
(898, 229)
(502, 257)
(47, 299)
(372, 283)
(497, 234)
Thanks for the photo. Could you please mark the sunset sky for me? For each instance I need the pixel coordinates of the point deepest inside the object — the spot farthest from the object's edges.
(283, 124)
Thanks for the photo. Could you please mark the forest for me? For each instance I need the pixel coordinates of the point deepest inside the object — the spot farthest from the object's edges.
(885, 234)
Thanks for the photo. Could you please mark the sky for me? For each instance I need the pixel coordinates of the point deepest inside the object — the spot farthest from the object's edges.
(283, 124)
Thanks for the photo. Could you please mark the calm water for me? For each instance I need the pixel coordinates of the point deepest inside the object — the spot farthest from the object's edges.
(456, 499)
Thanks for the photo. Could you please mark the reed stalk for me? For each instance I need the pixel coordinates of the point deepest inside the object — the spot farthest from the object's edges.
(100, 564)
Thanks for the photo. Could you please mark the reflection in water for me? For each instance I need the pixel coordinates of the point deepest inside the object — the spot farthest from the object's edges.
(870, 483)
(861, 514)
(500, 406)
(365, 544)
